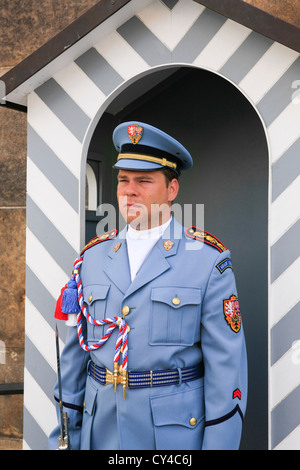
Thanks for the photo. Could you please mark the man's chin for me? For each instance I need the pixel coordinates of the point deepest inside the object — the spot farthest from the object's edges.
(137, 224)
(136, 221)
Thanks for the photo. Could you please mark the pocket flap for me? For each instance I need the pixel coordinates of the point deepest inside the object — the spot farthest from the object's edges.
(176, 297)
(182, 408)
(94, 292)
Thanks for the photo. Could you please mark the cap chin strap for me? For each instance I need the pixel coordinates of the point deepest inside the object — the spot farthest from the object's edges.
(147, 158)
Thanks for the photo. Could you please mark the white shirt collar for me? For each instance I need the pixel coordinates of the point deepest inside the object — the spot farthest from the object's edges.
(150, 234)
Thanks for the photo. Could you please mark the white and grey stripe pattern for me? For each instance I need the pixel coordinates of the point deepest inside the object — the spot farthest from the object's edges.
(61, 112)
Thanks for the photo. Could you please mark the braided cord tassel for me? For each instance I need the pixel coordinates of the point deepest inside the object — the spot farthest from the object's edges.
(124, 351)
(119, 340)
(121, 347)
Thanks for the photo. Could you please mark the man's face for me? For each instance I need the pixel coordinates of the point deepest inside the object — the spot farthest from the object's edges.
(145, 198)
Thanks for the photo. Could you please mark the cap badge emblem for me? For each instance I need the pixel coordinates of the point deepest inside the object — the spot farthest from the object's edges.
(135, 133)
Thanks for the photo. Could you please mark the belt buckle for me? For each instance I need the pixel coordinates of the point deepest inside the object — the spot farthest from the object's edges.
(109, 377)
(119, 376)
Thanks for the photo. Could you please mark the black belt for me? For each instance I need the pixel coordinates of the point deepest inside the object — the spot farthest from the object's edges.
(152, 378)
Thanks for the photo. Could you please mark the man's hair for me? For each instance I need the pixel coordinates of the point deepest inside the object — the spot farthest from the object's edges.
(169, 174)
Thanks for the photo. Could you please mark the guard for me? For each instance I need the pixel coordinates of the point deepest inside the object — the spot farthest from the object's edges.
(156, 356)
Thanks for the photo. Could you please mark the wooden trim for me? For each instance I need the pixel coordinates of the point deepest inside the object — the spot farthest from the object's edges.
(237, 10)
(57, 45)
(15, 106)
(257, 20)
(12, 388)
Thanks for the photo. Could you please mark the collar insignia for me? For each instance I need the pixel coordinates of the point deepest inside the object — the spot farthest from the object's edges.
(117, 246)
(168, 245)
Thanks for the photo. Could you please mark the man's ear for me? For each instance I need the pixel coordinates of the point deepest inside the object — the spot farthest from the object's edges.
(173, 189)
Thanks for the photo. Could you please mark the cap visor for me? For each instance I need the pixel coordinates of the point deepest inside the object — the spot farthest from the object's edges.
(138, 165)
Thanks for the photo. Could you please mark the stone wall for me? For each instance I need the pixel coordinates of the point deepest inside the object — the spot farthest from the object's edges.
(25, 26)
(287, 10)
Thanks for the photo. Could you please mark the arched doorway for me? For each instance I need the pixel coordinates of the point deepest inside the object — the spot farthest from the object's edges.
(226, 138)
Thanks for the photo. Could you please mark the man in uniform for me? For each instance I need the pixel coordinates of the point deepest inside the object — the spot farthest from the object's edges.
(158, 357)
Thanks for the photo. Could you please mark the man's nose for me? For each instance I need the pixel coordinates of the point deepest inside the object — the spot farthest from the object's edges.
(131, 188)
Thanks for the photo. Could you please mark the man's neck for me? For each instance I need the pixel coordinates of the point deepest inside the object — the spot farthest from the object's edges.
(150, 224)
(152, 232)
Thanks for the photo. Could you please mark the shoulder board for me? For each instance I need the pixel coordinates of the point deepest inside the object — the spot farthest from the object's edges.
(94, 241)
(198, 234)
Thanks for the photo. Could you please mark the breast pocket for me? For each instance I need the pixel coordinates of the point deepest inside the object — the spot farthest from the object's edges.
(94, 296)
(95, 299)
(175, 316)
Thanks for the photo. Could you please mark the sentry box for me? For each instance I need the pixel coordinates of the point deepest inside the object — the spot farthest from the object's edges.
(223, 80)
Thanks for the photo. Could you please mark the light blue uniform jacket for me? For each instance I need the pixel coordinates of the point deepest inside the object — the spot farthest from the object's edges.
(162, 336)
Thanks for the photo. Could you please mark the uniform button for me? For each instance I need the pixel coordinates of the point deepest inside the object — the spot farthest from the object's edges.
(125, 310)
(90, 298)
(176, 301)
(193, 421)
